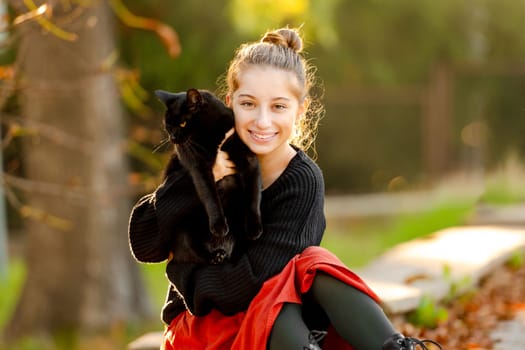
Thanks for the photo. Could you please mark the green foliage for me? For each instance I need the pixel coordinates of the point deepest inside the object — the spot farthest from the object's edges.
(386, 42)
(10, 289)
(516, 260)
(395, 45)
(505, 185)
(316, 18)
(363, 148)
(456, 287)
(29, 343)
(207, 38)
(501, 194)
(156, 282)
(256, 16)
(442, 216)
(356, 242)
(155, 162)
(428, 314)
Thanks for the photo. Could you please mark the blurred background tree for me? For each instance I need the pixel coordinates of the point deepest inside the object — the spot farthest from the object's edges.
(412, 82)
(415, 91)
(80, 274)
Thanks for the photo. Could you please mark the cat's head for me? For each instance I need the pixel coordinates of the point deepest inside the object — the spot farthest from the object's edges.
(192, 112)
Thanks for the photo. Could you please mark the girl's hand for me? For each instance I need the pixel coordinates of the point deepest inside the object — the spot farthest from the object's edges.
(223, 165)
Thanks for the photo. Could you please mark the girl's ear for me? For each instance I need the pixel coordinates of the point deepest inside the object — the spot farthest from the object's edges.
(303, 106)
(228, 101)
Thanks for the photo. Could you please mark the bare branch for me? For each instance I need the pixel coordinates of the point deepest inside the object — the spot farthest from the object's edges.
(31, 15)
(54, 134)
(67, 192)
(75, 193)
(167, 35)
(132, 93)
(37, 13)
(36, 214)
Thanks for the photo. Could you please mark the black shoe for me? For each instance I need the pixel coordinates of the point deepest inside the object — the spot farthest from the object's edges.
(399, 342)
(313, 340)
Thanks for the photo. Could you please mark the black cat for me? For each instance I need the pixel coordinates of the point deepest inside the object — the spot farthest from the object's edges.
(197, 122)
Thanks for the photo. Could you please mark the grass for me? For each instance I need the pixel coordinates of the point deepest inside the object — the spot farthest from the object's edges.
(10, 289)
(505, 185)
(156, 283)
(500, 193)
(357, 242)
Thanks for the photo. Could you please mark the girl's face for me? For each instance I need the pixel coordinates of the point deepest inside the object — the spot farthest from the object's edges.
(266, 107)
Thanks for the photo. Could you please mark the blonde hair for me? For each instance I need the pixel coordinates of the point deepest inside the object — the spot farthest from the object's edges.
(281, 49)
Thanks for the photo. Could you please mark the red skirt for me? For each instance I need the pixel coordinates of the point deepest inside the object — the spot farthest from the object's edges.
(251, 329)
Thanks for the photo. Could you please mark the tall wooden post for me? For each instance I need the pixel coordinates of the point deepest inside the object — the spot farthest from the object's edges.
(437, 119)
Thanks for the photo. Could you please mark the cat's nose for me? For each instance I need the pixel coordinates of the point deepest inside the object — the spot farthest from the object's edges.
(171, 133)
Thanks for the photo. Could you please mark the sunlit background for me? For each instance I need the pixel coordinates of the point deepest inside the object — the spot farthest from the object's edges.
(424, 122)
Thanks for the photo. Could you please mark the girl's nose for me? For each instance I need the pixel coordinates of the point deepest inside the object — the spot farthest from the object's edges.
(264, 119)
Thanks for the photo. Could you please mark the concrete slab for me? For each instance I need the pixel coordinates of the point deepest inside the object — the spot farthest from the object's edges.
(458, 256)
(509, 334)
(496, 215)
(148, 341)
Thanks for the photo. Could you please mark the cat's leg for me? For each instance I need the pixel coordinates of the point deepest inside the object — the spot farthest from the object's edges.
(253, 187)
(219, 249)
(248, 169)
(207, 192)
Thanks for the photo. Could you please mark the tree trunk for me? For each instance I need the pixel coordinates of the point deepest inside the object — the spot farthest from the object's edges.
(80, 272)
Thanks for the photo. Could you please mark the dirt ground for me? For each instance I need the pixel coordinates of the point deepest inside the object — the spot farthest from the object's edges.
(474, 316)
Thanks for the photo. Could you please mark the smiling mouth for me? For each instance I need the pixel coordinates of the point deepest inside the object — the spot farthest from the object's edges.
(262, 137)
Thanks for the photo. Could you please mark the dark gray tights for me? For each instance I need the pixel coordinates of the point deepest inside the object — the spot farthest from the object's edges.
(289, 330)
(356, 317)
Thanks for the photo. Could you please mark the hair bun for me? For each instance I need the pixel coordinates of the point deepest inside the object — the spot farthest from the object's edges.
(284, 37)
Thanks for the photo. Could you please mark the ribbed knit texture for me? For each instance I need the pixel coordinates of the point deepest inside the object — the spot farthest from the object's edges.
(293, 219)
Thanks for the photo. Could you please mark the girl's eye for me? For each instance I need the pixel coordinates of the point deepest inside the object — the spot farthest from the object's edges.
(280, 106)
(247, 104)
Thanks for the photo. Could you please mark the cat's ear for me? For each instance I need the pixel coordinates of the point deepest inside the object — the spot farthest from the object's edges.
(165, 96)
(194, 99)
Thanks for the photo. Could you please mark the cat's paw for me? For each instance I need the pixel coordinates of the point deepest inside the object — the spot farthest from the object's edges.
(218, 256)
(254, 227)
(219, 228)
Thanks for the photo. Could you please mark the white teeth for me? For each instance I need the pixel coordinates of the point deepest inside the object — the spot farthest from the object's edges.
(262, 137)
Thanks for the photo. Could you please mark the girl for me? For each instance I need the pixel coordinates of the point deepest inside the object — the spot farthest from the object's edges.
(284, 292)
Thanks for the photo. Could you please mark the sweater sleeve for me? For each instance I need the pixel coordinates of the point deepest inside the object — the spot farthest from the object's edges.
(293, 219)
(156, 214)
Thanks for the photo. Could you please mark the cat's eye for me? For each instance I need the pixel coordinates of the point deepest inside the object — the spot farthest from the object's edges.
(183, 124)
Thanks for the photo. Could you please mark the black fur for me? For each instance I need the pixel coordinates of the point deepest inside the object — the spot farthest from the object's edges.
(196, 122)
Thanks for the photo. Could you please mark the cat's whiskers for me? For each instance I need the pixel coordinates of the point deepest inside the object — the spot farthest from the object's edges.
(161, 144)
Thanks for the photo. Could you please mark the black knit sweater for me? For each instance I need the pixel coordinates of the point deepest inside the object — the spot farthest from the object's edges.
(293, 219)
